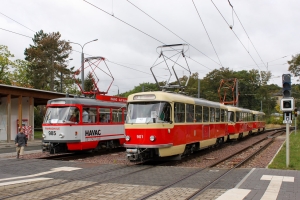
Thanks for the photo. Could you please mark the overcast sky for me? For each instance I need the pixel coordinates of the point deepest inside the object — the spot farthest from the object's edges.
(128, 37)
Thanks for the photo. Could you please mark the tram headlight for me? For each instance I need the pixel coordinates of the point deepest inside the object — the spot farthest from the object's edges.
(44, 135)
(152, 138)
(127, 138)
(61, 135)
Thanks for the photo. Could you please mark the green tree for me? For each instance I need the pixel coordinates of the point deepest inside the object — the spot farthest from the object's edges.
(19, 76)
(47, 56)
(5, 64)
(294, 67)
(147, 87)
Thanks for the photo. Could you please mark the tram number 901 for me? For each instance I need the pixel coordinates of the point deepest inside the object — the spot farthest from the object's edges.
(139, 136)
(52, 132)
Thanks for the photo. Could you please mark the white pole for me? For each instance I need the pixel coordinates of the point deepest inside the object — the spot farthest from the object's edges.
(287, 144)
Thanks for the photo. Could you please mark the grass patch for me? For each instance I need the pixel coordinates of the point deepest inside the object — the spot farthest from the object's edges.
(38, 135)
(279, 161)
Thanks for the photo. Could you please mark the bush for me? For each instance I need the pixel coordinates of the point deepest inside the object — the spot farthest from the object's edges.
(275, 120)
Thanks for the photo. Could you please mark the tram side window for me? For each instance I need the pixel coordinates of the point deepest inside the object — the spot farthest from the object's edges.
(116, 115)
(104, 114)
(189, 113)
(85, 114)
(166, 112)
(222, 115)
(245, 117)
(198, 113)
(89, 115)
(93, 115)
(217, 114)
(231, 116)
(73, 115)
(212, 115)
(205, 114)
(237, 116)
(250, 116)
(179, 112)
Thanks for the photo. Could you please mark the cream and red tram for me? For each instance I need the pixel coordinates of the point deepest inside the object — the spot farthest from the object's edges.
(80, 124)
(240, 122)
(259, 122)
(161, 124)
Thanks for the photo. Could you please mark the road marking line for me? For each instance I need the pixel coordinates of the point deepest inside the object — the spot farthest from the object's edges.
(243, 180)
(274, 186)
(234, 194)
(68, 169)
(23, 181)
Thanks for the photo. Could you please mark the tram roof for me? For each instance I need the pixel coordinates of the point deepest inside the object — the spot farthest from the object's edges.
(171, 97)
(85, 101)
(257, 112)
(237, 109)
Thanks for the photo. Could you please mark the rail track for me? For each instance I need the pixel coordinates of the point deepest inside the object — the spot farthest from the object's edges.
(142, 167)
(215, 164)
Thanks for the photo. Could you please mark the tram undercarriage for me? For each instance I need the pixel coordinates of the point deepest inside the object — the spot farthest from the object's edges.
(141, 154)
(54, 147)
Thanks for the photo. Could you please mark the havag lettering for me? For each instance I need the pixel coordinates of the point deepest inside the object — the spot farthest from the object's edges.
(92, 132)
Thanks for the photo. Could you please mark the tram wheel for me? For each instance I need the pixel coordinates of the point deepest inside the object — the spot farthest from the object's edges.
(240, 136)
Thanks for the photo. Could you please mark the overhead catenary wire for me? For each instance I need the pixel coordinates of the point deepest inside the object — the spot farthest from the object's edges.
(173, 33)
(238, 39)
(16, 22)
(78, 52)
(207, 33)
(134, 27)
(249, 38)
(16, 33)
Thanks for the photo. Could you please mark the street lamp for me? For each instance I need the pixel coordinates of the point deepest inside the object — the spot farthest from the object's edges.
(118, 89)
(82, 61)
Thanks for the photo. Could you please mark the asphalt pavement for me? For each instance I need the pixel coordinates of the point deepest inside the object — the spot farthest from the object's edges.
(9, 147)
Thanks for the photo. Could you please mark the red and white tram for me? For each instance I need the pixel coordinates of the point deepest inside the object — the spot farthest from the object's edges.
(161, 124)
(79, 124)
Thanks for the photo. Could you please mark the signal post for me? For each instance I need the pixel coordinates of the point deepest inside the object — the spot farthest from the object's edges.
(287, 105)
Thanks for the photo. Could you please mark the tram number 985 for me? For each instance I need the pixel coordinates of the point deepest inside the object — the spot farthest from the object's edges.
(52, 132)
(139, 136)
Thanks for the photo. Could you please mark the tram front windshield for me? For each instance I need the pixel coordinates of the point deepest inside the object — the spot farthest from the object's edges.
(61, 115)
(148, 112)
